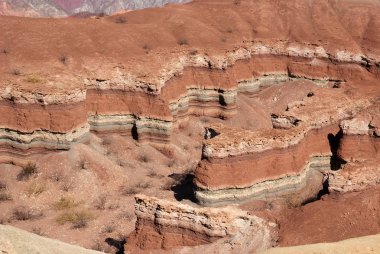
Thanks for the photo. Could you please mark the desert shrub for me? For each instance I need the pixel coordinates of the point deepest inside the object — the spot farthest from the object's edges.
(170, 163)
(24, 213)
(78, 219)
(64, 203)
(182, 42)
(229, 30)
(5, 51)
(153, 174)
(236, 2)
(100, 202)
(144, 158)
(82, 164)
(30, 169)
(146, 47)
(143, 185)
(132, 190)
(3, 185)
(109, 228)
(34, 79)
(16, 72)
(35, 189)
(64, 59)
(120, 20)
(4, 196)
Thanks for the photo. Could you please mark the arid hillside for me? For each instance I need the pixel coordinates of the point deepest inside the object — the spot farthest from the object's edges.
(229, 126)
(64, 8)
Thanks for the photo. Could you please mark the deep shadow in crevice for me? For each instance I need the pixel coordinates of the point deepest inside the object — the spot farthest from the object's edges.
(184, 187)
(135, 134)
(210, 133)
(222, 101)
(322, 192)
(118, 244)
(334, 140)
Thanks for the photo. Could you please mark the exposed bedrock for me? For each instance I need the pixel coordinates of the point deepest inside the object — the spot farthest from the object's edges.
(361, 136)
(266, 172)
(164, 224)
(37, 121)
(243, 164)
(359, 148)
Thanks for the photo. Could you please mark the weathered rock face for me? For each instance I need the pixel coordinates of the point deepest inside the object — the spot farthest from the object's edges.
(241, 164)
(63, 8)
(37, 121)
(167, 224)
(359, 148)
(146, 91)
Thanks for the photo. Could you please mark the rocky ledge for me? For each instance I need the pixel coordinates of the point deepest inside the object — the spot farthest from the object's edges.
(168, 224)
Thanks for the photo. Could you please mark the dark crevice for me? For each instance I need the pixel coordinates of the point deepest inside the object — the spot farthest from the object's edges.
(211, 133)
(135, 134)
(222, 102)
(334, 140)
(184, 188)
(118, 244)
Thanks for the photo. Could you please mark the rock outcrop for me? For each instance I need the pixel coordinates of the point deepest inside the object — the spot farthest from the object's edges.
(242, 164)
(147, 91)
(64, 8)
(17, 241)
(168, 224)
(359, 148)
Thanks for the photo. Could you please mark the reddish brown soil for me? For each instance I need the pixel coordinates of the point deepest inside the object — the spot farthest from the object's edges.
(151, 37)
(142, 46)
(333, 218)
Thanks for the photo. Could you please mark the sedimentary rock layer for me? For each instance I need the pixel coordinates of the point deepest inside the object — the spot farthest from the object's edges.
(120, 85)
(146, 116)
(168, 224)
(359, 148)
(241, 164)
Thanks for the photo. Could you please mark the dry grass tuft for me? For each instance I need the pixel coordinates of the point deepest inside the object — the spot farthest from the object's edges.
(132, 190)
(34, 78)
(64, 203)
(78, 219)
(35, 189)
(4, 196)
(24, 213)
(30, 169)
(100, 202)
(144, 158)
(3, 186)
(182, 42)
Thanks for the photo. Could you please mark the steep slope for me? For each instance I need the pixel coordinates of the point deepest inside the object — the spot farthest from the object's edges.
(60, 8)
